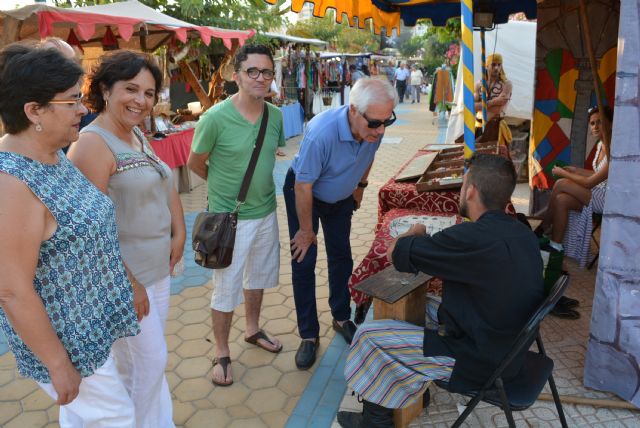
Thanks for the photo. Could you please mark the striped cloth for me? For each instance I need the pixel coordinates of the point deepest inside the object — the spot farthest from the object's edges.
(577, 238)
(386, 365)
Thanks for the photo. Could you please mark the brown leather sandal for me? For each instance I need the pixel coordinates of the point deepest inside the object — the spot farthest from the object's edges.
(254, 340)
(224, 362)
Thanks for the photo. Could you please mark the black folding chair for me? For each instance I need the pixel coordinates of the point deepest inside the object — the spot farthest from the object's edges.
(520, 393)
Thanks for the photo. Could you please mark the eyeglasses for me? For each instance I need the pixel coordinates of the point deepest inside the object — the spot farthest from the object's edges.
(374, 124)
(254, 72)
(74, 102)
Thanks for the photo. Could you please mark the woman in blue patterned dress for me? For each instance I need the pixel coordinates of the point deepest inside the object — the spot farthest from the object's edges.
(64, 294)
(112, 152)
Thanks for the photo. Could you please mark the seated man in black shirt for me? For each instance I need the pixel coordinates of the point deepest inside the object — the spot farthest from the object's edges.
(492, 283)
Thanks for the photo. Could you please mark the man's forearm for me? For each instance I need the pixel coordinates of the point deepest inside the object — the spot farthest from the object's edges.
(304, 207)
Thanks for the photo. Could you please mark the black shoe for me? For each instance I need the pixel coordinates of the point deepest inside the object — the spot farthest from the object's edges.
(347, 330)
(372, 416)
(567, 302)
(426, 399)
(350, 419)
(361, 312)
(306, 354)
(565, 313)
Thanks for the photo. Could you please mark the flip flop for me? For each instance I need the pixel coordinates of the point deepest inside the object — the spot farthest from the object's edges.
(279, 153)
(254, 340)
(224, 362)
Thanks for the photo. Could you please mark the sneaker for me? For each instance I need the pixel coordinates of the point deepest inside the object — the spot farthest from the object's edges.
(552, 265)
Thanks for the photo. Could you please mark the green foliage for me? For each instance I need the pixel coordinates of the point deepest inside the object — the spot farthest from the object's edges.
(231, 14)
(341, 37)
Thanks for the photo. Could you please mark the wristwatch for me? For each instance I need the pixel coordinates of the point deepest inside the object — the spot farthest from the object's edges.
(363, 185)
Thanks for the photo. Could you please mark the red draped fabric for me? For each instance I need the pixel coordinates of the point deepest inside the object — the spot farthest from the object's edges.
(175, 148)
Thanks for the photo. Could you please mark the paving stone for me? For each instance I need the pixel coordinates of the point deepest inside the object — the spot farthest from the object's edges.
(242, 414)
(182, 412)
(266, 400)
(172, 379)
(194, 331)
(261, 377)
(272, 299)
(173, 341)
(207, 418)
(190, 368)
(8, 411)
(196, 316)
(193, 348)
(256, 357)
(193, 389)
(276, 419)
(193, 303)
(275, 312)
(194, 292)
(233, 395)
(37, 400)
(294, 383)
(33, 419)
(280, 326)
(18, 389)
(7, 375)
(285, 361)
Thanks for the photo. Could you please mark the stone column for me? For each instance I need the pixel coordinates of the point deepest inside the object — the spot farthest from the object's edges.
(579, 126)
(613, 353)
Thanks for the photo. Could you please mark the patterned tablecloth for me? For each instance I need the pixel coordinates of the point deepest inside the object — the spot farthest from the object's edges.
(404, 195)
(376, 259)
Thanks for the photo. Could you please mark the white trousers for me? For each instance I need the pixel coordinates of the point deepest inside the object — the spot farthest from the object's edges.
(142, 359)
(103, 401)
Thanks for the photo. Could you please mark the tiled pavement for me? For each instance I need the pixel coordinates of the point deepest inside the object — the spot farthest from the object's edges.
(268, 389)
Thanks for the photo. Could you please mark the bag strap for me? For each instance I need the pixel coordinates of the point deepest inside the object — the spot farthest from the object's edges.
(244, 188)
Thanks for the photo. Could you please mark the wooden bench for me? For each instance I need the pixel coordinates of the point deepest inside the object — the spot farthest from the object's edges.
(398, 296)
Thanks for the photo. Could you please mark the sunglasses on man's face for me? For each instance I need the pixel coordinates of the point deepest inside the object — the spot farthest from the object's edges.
(374, 124)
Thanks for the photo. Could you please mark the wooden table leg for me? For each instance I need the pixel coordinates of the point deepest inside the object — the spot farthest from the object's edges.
(410, 308)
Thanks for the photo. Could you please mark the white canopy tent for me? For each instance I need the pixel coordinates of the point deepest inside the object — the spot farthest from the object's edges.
(516, 42)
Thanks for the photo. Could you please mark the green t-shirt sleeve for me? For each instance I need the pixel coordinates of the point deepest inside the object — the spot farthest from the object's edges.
(205, 136)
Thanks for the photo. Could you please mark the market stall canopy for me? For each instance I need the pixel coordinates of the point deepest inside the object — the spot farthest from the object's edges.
(387, 13)
(134, 23)
(293, 39)
(348, 55)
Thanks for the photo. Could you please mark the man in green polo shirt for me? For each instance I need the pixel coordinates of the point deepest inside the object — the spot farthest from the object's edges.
(225, 137)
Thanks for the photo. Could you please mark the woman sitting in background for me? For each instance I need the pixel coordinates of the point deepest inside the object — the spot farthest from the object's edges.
(579, 190)
(113, 153)
(64, 293)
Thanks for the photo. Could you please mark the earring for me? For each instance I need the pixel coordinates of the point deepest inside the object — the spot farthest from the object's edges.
(38, 127)
(106, 103)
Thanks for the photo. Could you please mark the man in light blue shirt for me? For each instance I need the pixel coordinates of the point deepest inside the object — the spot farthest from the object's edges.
(325, 185)
(401, 78)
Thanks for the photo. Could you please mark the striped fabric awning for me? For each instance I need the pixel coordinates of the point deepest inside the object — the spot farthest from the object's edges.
(388, 13)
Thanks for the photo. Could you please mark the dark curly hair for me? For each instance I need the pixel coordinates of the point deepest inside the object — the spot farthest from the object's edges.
(114, 67)
(243, 54)
(31, 74)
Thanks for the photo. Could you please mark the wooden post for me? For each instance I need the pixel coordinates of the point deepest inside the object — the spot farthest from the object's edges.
(187, 72)
(586, 34)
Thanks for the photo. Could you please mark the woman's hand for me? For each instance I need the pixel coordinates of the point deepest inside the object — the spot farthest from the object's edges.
(140, 300)
(559, 172)
(177, 250)
(66, 381)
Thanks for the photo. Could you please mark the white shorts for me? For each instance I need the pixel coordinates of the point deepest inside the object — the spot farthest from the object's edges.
(255, 265)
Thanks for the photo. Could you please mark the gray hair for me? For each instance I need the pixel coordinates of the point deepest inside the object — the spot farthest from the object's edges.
(369, 91)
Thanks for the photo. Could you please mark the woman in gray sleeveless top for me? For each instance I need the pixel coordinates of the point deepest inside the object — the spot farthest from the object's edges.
(114, 155)
(65, 296)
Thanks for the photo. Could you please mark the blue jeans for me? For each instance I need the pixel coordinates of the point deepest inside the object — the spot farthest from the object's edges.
(336, 226)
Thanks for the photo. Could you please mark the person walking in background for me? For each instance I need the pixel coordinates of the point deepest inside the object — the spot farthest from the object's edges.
(325, 184)
(400, 80)
(225, 137)
(415, 81)
(114, 155)
(64, 292)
